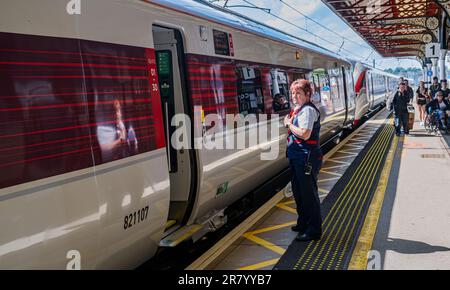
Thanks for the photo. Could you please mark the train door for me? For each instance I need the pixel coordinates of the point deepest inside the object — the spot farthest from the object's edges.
(169, 51)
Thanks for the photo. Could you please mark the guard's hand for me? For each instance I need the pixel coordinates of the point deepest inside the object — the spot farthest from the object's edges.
(287, 120)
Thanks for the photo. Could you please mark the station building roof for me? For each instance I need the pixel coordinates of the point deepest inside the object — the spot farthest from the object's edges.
(394, 28)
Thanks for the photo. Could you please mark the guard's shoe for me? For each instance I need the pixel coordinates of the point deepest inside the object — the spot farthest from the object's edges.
(297, 229)
(308, 237)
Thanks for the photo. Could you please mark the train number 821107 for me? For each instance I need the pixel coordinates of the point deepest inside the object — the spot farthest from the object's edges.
(135, 217)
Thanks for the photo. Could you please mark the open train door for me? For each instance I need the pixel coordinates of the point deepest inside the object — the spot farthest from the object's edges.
(170, 63)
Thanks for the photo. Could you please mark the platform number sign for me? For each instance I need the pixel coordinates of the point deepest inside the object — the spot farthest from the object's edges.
(432, 50)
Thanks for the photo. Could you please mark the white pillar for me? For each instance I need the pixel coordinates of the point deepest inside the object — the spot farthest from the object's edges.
(442, 71)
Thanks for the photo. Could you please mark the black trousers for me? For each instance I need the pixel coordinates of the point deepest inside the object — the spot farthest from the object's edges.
(401, 119)
(305, 190)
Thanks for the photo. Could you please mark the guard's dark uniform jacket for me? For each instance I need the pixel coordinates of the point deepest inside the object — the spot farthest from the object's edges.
(305, 158)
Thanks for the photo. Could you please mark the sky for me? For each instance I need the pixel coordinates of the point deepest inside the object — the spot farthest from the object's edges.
(330, 36)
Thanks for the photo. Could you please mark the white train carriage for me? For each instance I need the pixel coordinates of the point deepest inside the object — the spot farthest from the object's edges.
(372, 87)
(89, 177)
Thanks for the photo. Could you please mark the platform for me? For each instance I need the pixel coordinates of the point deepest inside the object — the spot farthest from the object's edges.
(413, 231)
(384, 202)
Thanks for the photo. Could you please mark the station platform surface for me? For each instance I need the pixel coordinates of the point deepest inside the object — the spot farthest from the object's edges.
(413, 231)
(395, 217)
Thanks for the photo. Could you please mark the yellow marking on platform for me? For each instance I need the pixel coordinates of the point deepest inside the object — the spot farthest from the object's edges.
(331, 167)
(323, 191)
(349, 152)
(271, 228)
(348, 156)
(265, 244)
(332, 173)
(260, 265)
(289, 202)
(287, 208)
(364, 244)
(327, 179)
(337, 161)
(360, 139)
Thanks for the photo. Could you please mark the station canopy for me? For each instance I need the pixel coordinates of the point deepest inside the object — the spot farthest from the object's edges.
(394, 28)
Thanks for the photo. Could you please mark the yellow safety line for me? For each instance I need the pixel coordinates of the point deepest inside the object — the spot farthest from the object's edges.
(338, 203)
(332, 173)
(265, 244)
(271, 228)
(370, 178)
(287, 208)
(355, 196)
(289, 202)
(260, 265)
(365, 240)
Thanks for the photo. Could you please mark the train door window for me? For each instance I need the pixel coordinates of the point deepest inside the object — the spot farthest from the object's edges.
(350, 87)
(315, 86)
(279, 88)
(324, 89)
(250, 91)
(336, 89)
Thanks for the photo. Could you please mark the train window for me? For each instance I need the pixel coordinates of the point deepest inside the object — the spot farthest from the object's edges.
(249, 88)
(221, 42)
(279, 88)
(379, 84)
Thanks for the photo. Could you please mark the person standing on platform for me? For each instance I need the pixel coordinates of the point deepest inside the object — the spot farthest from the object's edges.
(399, 102)
(305, 160)
(444, 89)
(421, 99)
(434, 88)
(409, 91)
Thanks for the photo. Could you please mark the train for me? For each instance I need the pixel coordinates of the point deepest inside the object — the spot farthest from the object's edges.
(90, 178)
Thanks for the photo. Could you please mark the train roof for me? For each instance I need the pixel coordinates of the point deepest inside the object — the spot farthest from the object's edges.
(381, 72)
(204, 10)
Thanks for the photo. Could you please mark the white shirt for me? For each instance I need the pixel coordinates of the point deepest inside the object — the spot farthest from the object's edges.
(306, 118)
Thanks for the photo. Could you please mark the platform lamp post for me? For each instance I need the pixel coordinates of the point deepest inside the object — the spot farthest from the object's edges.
(428, 64)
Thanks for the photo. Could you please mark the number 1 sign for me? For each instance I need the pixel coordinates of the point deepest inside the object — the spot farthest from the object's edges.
(433, 50)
